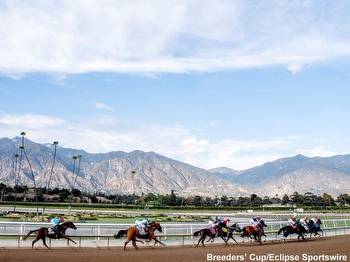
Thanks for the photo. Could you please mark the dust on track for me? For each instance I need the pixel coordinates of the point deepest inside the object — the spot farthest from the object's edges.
(330, 245)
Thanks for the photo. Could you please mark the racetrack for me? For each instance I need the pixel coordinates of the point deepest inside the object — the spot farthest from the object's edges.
(328, 246)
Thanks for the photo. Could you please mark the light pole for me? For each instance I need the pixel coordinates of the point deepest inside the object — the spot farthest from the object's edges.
(71, 195)
(16, 181)
(55, 143)
(78, 171)
(32, 173)
(21, 148)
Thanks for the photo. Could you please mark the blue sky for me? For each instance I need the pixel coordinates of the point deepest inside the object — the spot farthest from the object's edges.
(232, 90)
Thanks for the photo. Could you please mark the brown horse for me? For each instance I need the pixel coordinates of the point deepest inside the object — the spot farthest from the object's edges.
(250, 231)
(134, 235)
(43, 232)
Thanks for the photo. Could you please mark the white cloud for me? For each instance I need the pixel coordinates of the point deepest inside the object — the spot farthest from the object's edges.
(103, 133)
(30, 120)
(318, 151)
(65, 37)
(103, 106)
(109, 134)
(294, 68)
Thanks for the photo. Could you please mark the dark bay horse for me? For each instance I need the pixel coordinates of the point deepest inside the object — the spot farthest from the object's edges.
(288, 230)
(314, 228)
(43, 232)
(134, 235)
(250, 231)
(224, 232)
(228, 232)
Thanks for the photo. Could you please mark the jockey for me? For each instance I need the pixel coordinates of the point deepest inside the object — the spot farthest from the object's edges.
(142, 226)
(293, 222)
(256, 223)
(55, 221)
(213, 225)
(226, 221)
(316, 223)
(303, 222)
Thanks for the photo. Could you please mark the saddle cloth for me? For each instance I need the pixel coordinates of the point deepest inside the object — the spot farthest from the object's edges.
(51, 231)
(213, 230)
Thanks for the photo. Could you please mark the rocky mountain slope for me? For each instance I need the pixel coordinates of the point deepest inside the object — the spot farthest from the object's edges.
(117, 172)
(138, 171)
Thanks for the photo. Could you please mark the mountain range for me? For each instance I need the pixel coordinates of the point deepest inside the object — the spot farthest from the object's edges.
(138, 171)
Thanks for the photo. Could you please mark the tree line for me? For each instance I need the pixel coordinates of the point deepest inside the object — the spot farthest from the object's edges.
(62, 195)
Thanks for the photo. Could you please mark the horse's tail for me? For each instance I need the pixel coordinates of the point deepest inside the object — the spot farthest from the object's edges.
(197, 233)
(29, 233)
(121, 233)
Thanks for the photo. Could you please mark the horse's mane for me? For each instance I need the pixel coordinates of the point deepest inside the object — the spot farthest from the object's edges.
(67, 224)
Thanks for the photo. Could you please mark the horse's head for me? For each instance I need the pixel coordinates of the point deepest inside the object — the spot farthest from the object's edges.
(262, 223)
(235, 227)
(319, 221)
(68, 225)
(222, 224)
(156, 226)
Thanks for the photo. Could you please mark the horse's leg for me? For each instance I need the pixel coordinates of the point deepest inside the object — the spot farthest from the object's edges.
(34, 241)
(65, 237)
(126, 242)
(234, 239)
(134, 244)
(44, 241)
(199, 240)
(225, 240)
(204, 237)
(157, 241)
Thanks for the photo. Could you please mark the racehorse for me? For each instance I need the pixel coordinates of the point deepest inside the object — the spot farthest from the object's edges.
(134, 235)
(288, 230)
(227, 232)
(250, 231)
(314, 228)
(43, 232)
(222, 231)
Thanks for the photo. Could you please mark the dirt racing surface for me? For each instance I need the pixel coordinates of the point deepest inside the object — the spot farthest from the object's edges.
(314, 251)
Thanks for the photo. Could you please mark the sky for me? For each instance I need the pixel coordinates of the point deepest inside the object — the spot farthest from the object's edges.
(210, 83)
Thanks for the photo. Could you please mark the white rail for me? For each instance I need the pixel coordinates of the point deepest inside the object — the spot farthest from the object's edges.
(101, 235)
